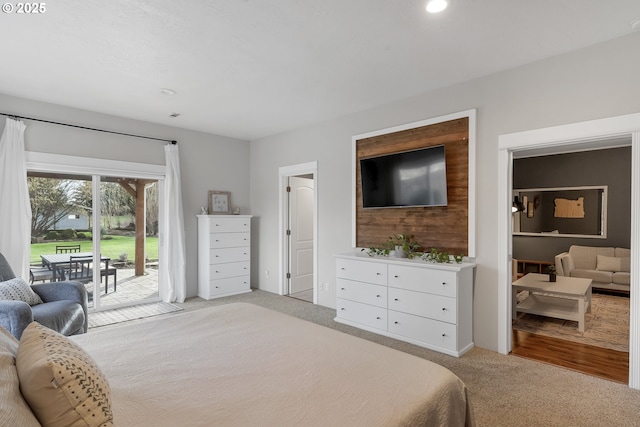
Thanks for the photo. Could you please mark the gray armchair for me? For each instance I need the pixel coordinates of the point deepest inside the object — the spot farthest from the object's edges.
(64, 307)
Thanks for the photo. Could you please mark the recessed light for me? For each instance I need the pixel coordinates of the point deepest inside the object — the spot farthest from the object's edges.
(436, 6)
(635, 24)
(168, 92)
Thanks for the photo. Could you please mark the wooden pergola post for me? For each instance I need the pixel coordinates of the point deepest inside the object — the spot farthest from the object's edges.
(136, 187)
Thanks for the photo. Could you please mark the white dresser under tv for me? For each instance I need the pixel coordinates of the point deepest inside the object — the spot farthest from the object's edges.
(224, 255)
(423, 303)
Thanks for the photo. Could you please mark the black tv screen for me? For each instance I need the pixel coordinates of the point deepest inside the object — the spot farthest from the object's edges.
(410, 178)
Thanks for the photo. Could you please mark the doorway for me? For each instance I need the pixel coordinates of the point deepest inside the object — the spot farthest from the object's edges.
(542, 231)
(593, 134)
(298, 226)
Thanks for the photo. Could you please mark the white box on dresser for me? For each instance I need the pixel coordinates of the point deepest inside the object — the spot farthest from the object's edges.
(224, 255)
(427, 304)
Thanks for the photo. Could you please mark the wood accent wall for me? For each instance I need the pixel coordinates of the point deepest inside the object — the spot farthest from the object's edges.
(445, 227)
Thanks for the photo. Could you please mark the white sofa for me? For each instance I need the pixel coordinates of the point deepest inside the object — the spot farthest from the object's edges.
(607, 267)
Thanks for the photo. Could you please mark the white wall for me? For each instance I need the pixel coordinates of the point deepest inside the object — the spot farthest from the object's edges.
(207, 162)
(600, 81)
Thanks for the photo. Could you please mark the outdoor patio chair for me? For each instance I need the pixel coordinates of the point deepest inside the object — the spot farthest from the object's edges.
(67, 249)
(40, 274)
(80, 269)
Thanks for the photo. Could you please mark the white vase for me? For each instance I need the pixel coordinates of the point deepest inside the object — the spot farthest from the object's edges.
(399, 252)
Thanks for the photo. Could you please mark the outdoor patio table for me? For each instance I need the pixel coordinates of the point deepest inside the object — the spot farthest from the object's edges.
(54, 260)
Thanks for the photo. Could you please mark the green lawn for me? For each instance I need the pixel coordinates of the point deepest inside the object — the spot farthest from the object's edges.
(112, 247)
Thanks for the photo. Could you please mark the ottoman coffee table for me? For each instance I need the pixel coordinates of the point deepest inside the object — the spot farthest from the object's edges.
(567, 298)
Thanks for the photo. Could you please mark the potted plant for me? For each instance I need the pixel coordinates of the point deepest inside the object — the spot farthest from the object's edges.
(552, 273)
(405, 246)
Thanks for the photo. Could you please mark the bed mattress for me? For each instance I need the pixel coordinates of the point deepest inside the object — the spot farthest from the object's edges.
(244, 365)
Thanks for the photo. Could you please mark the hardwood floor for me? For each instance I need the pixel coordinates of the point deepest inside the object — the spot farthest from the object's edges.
(601, 362)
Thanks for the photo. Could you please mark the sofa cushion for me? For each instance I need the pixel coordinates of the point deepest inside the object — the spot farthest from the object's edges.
(14, 411)
(584, 257)
(613, 264)
(622, 278)
(64, 316)
(60, 381)
(17, 289)
(595, 275)
(623, 252)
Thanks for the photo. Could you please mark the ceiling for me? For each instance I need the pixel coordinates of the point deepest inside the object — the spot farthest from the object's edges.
(254, 68)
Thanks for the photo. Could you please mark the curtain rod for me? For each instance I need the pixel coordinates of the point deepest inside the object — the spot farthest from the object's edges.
(15, 117)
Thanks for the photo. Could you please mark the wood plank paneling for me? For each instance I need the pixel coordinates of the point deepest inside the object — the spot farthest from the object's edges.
(442, 227)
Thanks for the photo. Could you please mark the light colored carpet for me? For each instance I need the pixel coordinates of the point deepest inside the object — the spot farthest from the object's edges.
(504, 390)
(606, 326)
(117, 315)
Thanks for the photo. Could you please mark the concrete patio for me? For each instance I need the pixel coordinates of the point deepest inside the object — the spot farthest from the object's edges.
(130, 288)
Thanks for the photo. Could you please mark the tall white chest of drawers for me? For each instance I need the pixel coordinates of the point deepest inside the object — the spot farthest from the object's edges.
(224, 255)
(430, 305)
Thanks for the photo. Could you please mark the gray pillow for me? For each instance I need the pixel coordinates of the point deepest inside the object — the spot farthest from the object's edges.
(17, 289)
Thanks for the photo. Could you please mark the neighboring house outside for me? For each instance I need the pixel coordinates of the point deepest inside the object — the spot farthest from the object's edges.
(75, 221)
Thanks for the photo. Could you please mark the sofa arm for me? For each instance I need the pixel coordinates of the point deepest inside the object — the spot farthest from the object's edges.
(564, 264)
(72, 291)
(15, 316)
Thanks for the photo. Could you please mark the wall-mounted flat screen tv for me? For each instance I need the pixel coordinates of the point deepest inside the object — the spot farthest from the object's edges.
(406, 179)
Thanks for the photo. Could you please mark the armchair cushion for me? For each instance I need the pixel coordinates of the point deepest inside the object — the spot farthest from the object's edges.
(64, 316)
(17, 289)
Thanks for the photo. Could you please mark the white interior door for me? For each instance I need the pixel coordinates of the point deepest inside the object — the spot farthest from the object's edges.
(301, 210)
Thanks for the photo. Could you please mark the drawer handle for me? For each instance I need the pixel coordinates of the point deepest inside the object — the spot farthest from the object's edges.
(444, 335)
(395, 299)
(377, 296)
(217, 240)
(217, 287)
(342, 289)
(342, 268)
(217, 256)
(396, 276)
(396, 323)
(342, 309)
(443, 309)
(244, 268)
(217, 225)
(378, 318)
(217, 271)
(377, 274)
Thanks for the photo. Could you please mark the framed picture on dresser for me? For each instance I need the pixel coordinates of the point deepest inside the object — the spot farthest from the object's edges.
(219, 202)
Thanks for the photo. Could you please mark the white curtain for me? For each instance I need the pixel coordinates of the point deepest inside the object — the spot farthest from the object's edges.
(15, 208)
(173, 250)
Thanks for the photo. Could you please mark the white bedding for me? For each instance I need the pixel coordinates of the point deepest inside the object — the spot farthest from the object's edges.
(244, 365)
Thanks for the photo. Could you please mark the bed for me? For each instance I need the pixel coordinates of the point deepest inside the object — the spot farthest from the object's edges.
(244, 365)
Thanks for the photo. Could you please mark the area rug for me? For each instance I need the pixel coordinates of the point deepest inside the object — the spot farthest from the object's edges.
(117, 315)
(606, 326)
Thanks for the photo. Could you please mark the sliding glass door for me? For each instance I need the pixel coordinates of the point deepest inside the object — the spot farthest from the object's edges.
(101, 230)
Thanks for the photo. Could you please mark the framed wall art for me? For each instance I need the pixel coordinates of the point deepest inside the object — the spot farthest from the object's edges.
(219, 202)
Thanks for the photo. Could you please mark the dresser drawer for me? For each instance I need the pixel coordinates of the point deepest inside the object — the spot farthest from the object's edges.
(425, 330)
(375, 317)
(229, 285)
(229, 240)
(362, 292)
(229, 225)
(362, 271)
(219, 256)
(439, 282)
(230, 269)
(432, 306)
